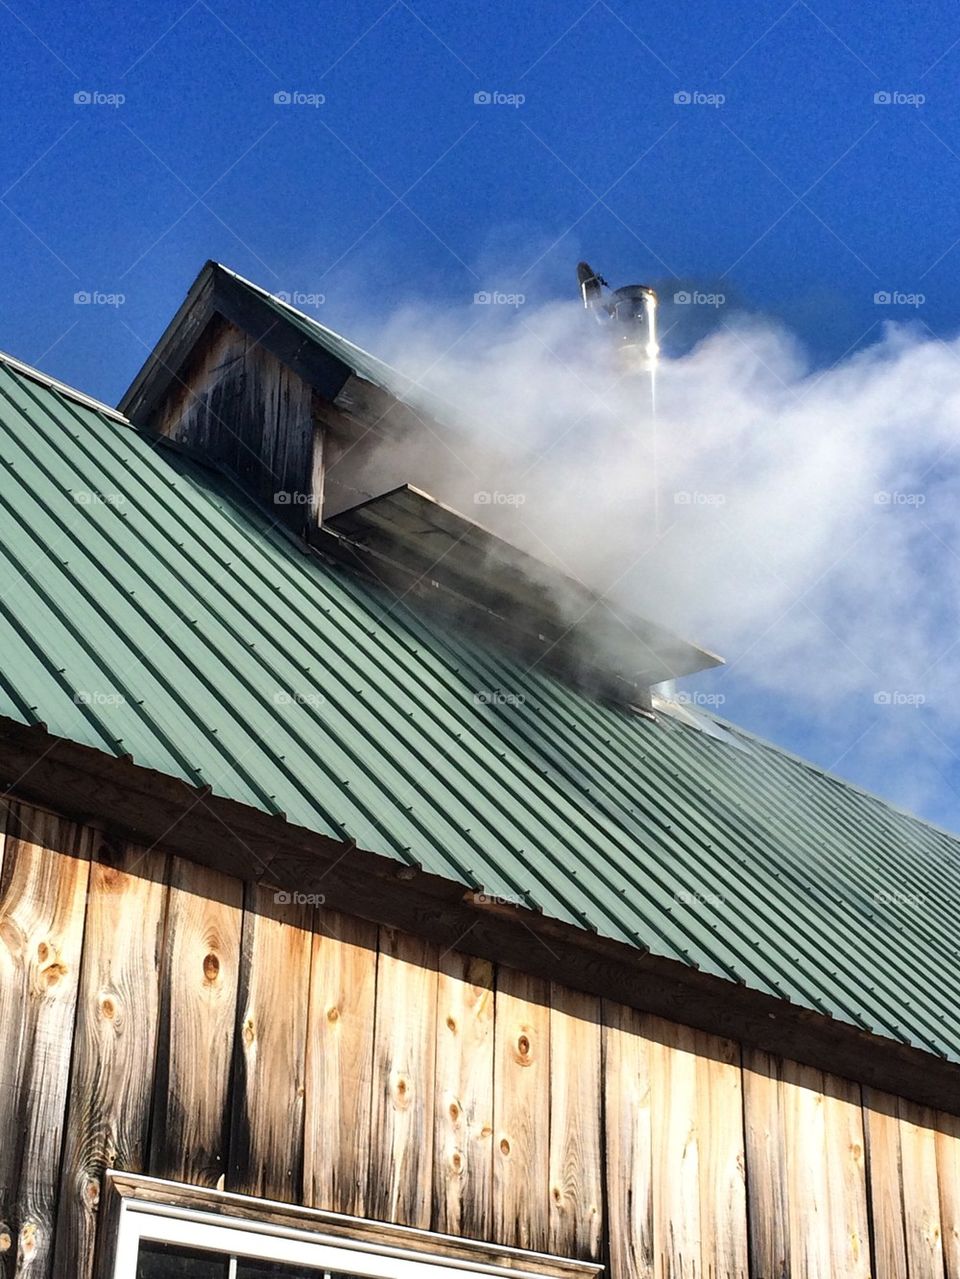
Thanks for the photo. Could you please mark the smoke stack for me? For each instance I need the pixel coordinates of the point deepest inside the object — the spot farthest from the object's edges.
(630, 313)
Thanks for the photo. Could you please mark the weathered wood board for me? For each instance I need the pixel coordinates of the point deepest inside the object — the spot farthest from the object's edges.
(629, 1137)
(266, 1130)
(42, 909)
(201, 965)
(576, 1108)
(401, 1173)
(521, 1112)
(806, 1171)
(112, 1079)
(339, 1064)
(463, 1108)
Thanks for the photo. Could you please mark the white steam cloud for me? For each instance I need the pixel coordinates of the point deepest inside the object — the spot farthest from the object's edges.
(801, 522)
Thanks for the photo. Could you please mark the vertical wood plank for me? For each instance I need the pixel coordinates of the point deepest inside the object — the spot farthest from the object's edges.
(805, 1153)
(42, 908)
(846, 1178)
(521, 1108)
(626, 1071)
(266, 1137)
(723, 1196)
(463, 1113)
(401, 1180)
(676, 1151)
(576, 1190)
(882, 1128)
(198, 1015)
(112, 1078)
(806, 1171)
(339, 1069)
(921, 1200)
(948, 1179)
(766, 1166)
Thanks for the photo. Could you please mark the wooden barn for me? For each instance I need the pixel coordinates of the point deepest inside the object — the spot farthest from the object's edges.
(363, 912)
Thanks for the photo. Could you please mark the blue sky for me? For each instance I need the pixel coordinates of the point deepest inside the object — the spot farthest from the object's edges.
(816, 165)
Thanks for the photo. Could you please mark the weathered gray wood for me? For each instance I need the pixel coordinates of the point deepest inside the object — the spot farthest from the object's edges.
(42, 901)
(339, 1070)
(195, 1041)
(237, 404)
(463, 1113)
(266, 1140)
(401, 1174)
(629, 1157)
(521, 1112)
(576, 1106)
(111, 1082)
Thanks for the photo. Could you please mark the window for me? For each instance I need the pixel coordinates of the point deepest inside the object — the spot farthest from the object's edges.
(162, 1230)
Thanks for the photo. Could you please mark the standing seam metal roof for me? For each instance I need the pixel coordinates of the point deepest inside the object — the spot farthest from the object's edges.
(149, 610)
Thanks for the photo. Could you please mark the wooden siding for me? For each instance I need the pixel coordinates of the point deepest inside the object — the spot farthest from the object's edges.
(240, 406)
(160, 1017)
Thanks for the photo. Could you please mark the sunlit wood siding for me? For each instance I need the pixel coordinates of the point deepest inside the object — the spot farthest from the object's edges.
(160, 1017)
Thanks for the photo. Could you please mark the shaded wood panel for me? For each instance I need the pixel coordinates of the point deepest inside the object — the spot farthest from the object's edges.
(947, 1142)
(339, 1063)
(42, 906)
(521, 1108)
(201, 963)
(676, 1151)
(401, 1174)
(724, 1246)
(463, 1111)
(576, 1158)
(904, 1189)
(111, 1083)
(629, 1152)
(699, 1192)
(806, 1171)
(239, 405)
(266, 1137)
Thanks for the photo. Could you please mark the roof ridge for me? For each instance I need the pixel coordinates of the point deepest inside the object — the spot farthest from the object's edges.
(828, 774)
(63, 388)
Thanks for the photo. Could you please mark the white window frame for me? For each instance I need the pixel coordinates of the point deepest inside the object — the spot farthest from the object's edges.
(231, 1227)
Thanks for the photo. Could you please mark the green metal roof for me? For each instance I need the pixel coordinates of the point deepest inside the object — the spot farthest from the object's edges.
(148, 610)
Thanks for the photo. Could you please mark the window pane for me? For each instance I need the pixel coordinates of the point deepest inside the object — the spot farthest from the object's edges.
(169, 1261)
(247, 1269)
